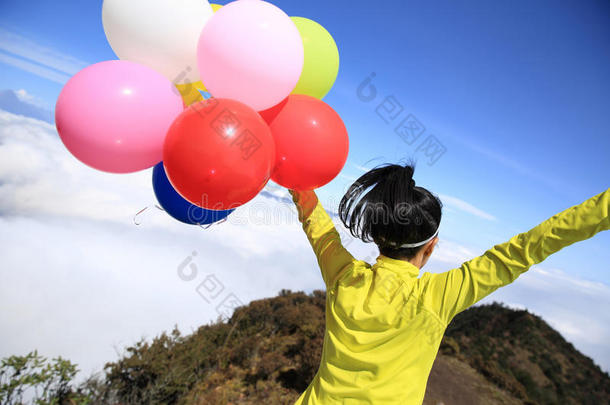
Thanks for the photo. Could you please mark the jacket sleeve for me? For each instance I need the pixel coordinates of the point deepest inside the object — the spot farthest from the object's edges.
(322, 235)
(453, 291)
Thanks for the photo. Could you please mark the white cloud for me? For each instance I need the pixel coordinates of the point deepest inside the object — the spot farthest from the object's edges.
(25, 48)
(361, 168)
(466, 207)
(31, 99)
(39, 177)
(43, 72)
(548, 279)
(77, 288)
(448, 251)
(79, 278)
(347, 177)
(21, 102)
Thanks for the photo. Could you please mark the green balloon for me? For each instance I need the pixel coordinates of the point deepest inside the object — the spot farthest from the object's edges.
(321, 64)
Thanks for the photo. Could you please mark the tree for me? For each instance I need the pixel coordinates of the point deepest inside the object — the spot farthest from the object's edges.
(50, 381)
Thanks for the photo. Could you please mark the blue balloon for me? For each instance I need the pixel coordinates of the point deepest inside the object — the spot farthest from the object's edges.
(179, 208)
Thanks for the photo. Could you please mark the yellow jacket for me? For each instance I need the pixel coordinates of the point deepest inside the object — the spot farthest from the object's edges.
(384, 325)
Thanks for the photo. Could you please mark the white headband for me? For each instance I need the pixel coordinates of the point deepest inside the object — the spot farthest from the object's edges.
(412, 245)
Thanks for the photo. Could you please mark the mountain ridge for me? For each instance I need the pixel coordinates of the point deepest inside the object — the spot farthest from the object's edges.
(269, 350)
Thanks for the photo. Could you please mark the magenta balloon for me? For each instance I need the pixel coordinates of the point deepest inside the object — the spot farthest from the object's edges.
(114, 115)
(250, 51)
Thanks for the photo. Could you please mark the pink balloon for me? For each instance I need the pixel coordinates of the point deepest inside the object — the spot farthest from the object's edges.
(250, 51)
(114, 115)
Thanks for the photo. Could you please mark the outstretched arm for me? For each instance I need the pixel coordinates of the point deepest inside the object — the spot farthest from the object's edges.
(453, 291)
(322, 234)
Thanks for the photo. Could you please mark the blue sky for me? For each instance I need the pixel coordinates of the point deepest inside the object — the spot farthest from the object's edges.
(514, 92)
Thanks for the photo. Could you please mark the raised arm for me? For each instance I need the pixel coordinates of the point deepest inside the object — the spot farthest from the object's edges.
(453, 291)
(322, 234)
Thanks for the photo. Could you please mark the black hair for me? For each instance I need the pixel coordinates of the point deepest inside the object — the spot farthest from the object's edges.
(395, 211)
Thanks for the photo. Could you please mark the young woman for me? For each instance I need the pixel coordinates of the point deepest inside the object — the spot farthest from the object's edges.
(384, 323)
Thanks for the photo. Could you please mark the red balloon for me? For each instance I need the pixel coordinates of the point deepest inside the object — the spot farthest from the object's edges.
(270, 114)
(218, 154)
(311, 142)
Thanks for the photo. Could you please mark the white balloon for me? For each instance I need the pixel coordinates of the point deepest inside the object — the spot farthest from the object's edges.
(161, 34)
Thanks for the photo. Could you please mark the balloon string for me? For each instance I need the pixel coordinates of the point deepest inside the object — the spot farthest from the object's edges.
(207, 226)
(203, 226)
(135, 217)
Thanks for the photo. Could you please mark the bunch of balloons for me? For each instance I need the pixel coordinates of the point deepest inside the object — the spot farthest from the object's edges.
(267, 74)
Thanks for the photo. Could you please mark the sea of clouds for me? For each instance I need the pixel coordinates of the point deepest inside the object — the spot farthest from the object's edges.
(81, 280)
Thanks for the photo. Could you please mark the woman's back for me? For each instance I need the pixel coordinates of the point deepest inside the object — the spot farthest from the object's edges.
(384, 324)
(378, 336)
